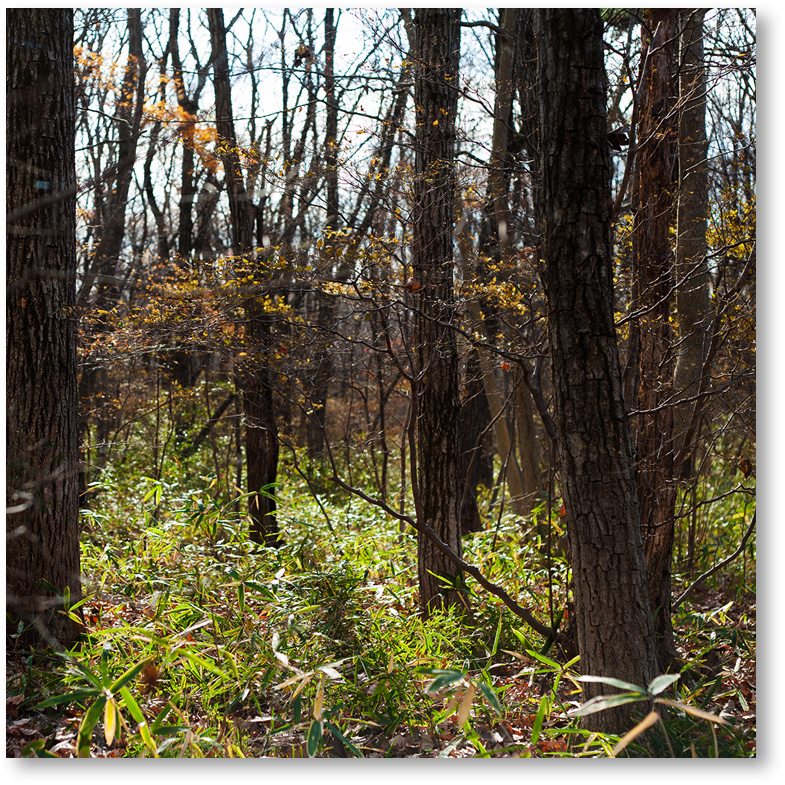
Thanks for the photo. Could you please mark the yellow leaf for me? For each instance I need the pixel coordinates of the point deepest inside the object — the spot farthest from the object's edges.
(110, 720)
(643, 725)
(466, 703)
(317, 704)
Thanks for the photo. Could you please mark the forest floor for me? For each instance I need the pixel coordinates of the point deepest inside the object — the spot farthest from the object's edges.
(328, 659)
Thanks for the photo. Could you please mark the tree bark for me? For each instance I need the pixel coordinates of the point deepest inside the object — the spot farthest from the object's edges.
(653, 269)
(42, 462)
(436, 356)
(612, 613)
(693, 307)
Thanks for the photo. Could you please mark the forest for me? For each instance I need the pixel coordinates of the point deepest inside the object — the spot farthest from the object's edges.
(380, 383)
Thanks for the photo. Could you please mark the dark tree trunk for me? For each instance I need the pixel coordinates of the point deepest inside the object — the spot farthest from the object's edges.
(476, 463)
(612, 613)
(42, 462)
(254, 378)
(185, 223)
(653, 269)
(436, 359)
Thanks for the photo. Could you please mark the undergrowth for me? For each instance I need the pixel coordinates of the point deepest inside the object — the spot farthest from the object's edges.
(199, 643)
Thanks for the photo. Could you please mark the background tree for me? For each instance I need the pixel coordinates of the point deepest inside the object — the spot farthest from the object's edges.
(261, 436)
(42, 462)
(613, 617)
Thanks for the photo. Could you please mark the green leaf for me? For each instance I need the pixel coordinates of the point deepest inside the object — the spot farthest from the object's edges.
(498, 635)
(662, 682)
(572, 662)
(71, 697)
(542, 658)
(442, 678)
(602, 702)
(89, 675)
(540, 716)
(314, 738)
(131, 673)
(347, 743)
(197, 660)
(622, 685)
(527, 644)
(136, 713)
(158, 721)
(89, 720)
(106, 655)
(491, 697)
(37, 748)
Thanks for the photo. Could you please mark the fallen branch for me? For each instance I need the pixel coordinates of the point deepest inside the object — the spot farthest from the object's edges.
(493, 588)
(207, 427)
(716, 567)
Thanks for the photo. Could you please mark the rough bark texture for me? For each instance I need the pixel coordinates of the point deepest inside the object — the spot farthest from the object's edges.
(613, 618)
(692, 291)
(42, 462)
(439, 480)
(254, 378)
(653, 269)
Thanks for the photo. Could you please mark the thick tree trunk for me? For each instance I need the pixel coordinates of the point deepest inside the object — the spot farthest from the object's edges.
(436, 355)
(653, 268)
(42, 462)
(254, 378)
(613, 617)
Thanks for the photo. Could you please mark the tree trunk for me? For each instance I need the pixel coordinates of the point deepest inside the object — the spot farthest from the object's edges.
(254, 378)
(476, 462)
(692, 290)
(322, 375)
(42, 462)
(653, 268)
(613, 618)
(436, 355)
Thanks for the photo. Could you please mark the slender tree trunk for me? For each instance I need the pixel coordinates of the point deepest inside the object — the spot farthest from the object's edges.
(654, 271)
(320, 380)
(436, 359)
(692, 291)
(476, 464)
(42, 462)
(613, 617)
(527, 444)
(254, 378)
